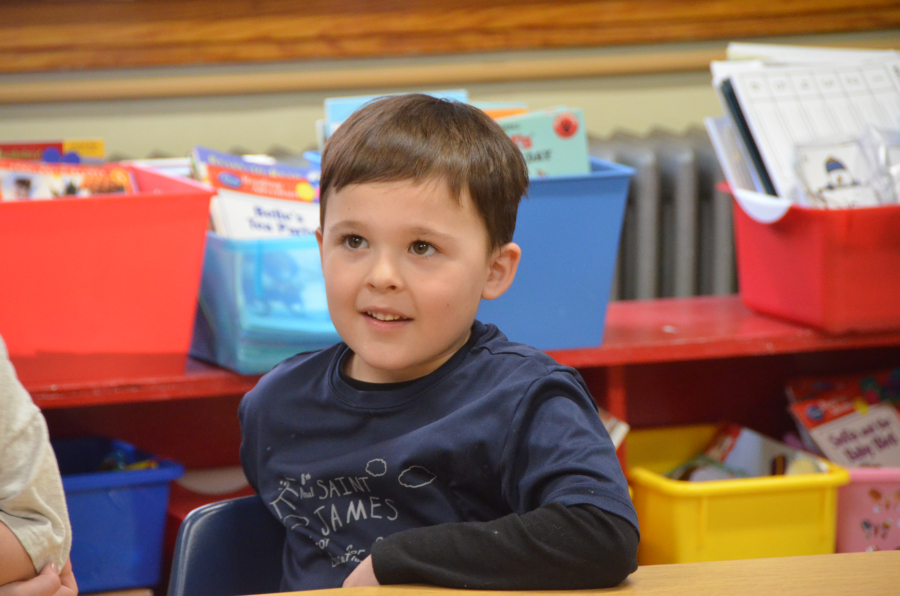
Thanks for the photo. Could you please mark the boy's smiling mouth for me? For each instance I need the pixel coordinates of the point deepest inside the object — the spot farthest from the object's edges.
(387, 317)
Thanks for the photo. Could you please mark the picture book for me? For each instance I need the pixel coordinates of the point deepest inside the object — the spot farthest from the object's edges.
(616, 428)
(248, 205)
(63, 151)
(338, 109)
(554, 141)
(739, 452)
(32, 180)
(850, 431)
(873, 386)
(501, 109)
(203, 157)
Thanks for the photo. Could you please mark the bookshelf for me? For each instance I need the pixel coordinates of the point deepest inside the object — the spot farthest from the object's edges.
(662, 362)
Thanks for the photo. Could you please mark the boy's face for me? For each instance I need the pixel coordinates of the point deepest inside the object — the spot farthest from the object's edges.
(405, 268)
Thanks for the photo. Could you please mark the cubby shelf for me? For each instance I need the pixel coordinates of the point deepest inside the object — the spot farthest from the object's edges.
(664, 361)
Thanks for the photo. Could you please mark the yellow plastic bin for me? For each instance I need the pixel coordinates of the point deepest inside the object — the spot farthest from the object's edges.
(684, 522)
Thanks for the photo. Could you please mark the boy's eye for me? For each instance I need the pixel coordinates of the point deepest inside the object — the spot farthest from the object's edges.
(353, 241)
(422, 249)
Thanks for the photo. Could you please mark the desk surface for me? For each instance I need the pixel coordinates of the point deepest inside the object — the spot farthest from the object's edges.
(852, 574)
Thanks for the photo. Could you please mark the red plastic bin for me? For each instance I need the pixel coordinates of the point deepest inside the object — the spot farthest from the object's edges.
(112, 274)
(837, 270)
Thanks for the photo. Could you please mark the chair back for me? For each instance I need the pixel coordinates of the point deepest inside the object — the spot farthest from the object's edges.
(229, 548)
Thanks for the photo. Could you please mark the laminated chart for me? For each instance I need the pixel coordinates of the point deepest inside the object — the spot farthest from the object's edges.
(787, 107)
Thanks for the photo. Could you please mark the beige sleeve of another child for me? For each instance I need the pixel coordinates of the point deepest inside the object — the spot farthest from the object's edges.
(32, 502)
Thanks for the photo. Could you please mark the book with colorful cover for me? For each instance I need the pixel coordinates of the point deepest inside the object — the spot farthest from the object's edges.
(852, 420)
(736, 451)
(32, 180)
(338, 109)
(73, 151)
(553, 141)
(203, 157)
(616, 428)
(249, 205)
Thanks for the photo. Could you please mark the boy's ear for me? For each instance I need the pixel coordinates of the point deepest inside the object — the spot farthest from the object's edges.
(319, 240)
(502, 270)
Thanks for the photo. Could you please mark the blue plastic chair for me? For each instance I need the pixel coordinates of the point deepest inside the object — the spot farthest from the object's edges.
(229, 548)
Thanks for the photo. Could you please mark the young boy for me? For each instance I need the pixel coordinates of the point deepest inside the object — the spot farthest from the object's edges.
(426, 447)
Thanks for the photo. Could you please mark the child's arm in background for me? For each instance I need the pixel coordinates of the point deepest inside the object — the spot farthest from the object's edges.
(33, 511)
(551, 548)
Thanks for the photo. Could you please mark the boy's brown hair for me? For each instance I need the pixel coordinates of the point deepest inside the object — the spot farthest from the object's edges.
(419, 137)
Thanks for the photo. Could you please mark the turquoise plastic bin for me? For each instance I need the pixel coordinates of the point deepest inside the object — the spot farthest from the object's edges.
(261, 301)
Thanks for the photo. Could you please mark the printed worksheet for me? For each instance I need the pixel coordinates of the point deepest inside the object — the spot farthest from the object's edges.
(789, 107)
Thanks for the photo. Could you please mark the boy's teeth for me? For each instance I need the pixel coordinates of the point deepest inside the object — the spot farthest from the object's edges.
(383, 317)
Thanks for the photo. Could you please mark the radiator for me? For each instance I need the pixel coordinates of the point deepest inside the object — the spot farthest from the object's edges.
(677, 236)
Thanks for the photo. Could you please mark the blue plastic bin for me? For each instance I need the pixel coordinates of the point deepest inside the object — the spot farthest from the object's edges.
(569, 229)
(118, 517)
(261, 301)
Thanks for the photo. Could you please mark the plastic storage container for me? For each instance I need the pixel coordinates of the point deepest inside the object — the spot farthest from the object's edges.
(118, 517)
(868, 515)
(104, 274)
(261, 301)
(264, 300)
(569, 229)
(684, 522)
(834, 269)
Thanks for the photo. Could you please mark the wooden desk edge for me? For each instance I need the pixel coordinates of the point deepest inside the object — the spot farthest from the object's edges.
(871, 574)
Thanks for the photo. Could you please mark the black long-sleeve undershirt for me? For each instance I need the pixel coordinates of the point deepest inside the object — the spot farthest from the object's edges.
(551, 548)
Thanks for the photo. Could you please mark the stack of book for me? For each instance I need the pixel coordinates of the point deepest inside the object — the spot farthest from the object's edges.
(814, 127)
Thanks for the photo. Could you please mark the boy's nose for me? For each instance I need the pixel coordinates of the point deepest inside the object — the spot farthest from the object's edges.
(384, 274)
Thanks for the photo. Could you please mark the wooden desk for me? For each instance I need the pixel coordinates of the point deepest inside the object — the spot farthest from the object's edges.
(852, 574)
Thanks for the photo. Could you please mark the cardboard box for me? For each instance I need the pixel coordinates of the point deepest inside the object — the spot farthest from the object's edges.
(103, 274)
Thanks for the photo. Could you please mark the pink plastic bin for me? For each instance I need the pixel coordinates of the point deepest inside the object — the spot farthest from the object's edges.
(868, 511)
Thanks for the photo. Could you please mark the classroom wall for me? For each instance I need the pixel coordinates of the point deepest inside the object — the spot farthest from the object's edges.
(259, 123)
(285, 121)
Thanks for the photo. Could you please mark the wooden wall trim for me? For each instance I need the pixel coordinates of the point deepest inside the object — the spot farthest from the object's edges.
(371, 74)
(58, 35)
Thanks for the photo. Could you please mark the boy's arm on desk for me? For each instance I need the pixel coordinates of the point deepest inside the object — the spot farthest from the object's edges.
(872, 574)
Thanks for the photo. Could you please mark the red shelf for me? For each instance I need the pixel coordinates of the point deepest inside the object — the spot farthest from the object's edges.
(74, 380)
(637, 333)
(683, 329)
